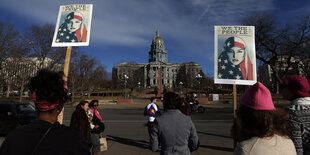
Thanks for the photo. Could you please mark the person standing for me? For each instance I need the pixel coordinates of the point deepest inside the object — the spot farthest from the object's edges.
(97, 127)
(184, 107)
(262, 129)
(173, 130)
(151, 110)
(79, 120)
(45, 135)
(296, 89)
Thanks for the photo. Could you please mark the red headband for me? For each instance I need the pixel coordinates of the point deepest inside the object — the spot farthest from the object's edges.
(43, 105)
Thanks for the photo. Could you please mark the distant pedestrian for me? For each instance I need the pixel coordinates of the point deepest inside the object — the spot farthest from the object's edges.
(97, 126)
(184, 107)
(46, 136)
(296, 89)
(79, 120)
(173, 130)
(152, 111)
(262, 130)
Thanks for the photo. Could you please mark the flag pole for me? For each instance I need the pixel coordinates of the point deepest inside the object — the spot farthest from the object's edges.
(65, 78)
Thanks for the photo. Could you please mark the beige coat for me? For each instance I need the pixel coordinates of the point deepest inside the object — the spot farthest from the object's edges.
(276, 145)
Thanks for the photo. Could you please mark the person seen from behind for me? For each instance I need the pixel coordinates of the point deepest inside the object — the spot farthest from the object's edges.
(152, 111)
(97, 127)
(296, 89)
(173, 130)
(79, 120)
(45, 135)
(260, 128)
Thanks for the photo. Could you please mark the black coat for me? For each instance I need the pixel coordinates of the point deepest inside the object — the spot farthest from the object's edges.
(60, 140)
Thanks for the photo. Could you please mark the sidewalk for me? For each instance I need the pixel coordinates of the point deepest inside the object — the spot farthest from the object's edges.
(133, 147)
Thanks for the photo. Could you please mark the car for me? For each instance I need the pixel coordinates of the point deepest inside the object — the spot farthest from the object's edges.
(15, 114)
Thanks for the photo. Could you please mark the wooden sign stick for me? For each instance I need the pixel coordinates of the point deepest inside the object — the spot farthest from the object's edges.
(66, 71)
(235, 108)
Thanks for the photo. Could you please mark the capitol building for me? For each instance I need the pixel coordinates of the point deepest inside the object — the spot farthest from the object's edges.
(147, 75)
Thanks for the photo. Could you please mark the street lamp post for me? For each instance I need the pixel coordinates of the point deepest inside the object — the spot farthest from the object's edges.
(125, 82)
(198, 77)
(181, 84)
(139, 86)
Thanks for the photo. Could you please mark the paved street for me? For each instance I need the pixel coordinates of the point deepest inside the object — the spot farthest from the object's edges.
(127, 134)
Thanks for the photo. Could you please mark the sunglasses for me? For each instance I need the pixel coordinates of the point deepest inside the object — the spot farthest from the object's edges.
(95, 105)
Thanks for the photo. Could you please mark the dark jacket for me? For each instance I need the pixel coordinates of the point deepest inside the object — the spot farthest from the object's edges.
(176, 133)
(61, 140)
(97, 121)
(79, 121)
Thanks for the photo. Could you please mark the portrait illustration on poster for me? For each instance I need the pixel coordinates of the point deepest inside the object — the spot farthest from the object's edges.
(73, 25)
(235, 55)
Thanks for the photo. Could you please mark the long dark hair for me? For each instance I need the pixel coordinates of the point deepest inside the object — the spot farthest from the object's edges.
(91, 104)
(262, 123)
(79, 120)
(82, 103)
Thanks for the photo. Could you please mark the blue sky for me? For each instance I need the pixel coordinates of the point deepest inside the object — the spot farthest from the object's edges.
(122, 30)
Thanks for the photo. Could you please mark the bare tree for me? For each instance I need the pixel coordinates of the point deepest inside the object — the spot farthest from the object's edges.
(276, 43)
(39, 39)
(96, 79)
(8, 40)
(187, 77)
(86, 74)
(20, 68)
(74, 74)
(116, 81)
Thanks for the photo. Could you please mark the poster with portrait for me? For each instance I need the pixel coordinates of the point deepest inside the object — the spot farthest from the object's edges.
(234, 55)
(73, 25)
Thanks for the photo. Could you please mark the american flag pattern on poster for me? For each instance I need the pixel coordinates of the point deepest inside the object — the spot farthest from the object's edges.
(64, 35)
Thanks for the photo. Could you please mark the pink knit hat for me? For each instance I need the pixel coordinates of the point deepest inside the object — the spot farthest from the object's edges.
(297, 84)
(257, 97)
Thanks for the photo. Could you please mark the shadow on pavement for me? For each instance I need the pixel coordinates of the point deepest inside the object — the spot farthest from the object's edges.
(137, 143)
(212, 134)
(217, 148)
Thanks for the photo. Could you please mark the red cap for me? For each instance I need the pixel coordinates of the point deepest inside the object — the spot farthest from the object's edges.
(297, 84)
(257, 97)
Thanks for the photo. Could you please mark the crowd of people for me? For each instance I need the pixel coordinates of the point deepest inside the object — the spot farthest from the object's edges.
(259, 128)
(45, 135)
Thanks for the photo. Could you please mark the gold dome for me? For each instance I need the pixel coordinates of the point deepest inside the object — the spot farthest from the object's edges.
(157, 38)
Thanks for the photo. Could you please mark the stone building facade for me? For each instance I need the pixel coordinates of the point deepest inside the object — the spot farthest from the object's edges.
(146, 74)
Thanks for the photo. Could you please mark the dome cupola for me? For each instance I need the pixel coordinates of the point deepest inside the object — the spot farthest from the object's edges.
(158, 52)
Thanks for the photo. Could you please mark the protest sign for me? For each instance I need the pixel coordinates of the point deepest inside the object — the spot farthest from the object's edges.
(73, 25)
(234, 55)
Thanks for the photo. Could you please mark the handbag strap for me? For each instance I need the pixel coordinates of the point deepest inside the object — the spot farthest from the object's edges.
(37, 146)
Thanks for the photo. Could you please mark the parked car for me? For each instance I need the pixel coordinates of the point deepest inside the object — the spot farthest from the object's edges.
(15, 114)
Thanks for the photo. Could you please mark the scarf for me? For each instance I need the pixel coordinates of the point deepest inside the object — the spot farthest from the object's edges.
(96, 113)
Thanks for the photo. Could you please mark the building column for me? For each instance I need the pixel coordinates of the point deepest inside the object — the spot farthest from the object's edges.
(159, 82)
